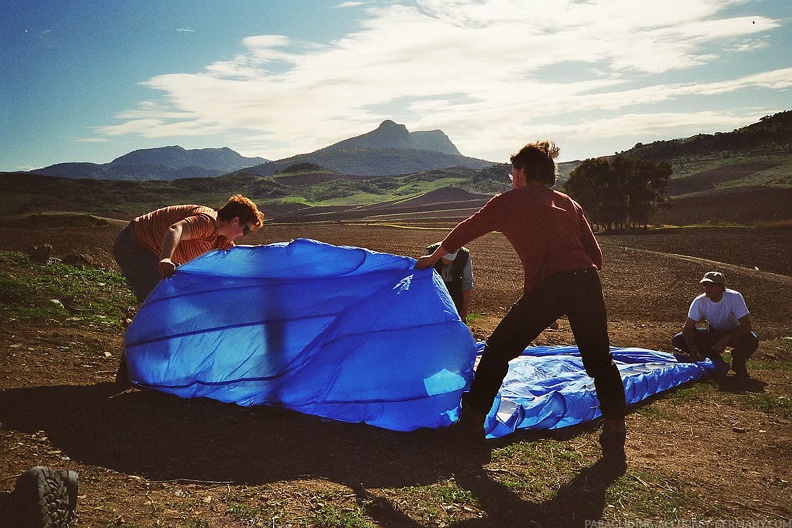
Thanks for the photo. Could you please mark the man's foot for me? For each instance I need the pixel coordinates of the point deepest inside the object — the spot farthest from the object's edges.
(471, 421)
(741, 379)
(721, 367)
(468, 432)
(612, 437)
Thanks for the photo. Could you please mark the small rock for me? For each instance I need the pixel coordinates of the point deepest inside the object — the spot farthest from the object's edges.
(40, 254)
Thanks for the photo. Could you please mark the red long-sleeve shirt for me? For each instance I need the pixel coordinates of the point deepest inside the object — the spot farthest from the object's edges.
(547, 229)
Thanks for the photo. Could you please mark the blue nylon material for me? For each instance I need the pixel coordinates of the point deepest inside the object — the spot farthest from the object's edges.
(548, 388)
(356, 336)
(339, 332)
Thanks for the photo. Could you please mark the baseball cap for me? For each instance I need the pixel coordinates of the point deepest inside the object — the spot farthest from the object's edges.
(713, 277)
(450, 256)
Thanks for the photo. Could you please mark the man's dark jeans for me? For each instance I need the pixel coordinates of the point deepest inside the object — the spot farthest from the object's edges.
(742, 347)
(576, 294)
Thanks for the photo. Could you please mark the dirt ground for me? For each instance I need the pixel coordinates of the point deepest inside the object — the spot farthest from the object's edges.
(146, 459)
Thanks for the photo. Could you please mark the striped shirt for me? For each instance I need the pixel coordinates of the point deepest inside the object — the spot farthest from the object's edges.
(151, 228)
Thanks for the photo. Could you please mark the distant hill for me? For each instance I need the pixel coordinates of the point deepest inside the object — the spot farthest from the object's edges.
(771, 135)
(739, 177)
(389, 150)
(759, 154)
(164, 163)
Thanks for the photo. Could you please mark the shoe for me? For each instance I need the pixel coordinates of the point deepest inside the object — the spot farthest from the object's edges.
(45, 498)
(741, 379)
(612, 437)
(471, 421)
(721, 368)
(468, 432)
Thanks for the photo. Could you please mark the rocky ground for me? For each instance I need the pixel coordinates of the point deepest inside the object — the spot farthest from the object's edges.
(144, 459)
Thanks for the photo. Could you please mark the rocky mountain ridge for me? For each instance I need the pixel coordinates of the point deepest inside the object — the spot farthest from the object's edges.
(390, 149)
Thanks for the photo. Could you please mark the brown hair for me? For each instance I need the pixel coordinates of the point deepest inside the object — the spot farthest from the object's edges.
(244, 209)
(537, 160)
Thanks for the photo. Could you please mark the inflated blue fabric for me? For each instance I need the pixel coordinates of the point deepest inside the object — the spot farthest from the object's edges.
(339, 332)
(356, 336)
(548, 388)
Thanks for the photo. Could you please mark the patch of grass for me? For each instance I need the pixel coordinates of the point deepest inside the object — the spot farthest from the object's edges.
(772, 404)
(692, 392)
(330, 516)
(543, 464)
(769, 364)
(656, 412)
(62, 295)
(243, 512)
(196, 523)
(450, 493)
(474, 317)
(640, 495)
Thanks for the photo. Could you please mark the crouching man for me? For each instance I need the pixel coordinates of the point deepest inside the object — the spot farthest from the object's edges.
(728, 325)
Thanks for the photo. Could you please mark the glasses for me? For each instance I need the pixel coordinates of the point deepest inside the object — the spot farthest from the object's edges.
(245, 229)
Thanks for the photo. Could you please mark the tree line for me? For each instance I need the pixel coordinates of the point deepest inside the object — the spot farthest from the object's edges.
(618, 193)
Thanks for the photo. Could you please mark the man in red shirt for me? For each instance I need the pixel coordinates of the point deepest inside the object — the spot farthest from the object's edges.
(560, 259)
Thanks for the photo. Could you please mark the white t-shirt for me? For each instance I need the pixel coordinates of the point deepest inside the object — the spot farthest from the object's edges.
(721, 315)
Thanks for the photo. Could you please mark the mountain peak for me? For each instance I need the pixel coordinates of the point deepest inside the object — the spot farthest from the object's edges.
(161, 163)
(392, 135)
(391, 126)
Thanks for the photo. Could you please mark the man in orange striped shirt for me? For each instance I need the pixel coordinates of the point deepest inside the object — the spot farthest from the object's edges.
(154, 244)
(151, 246)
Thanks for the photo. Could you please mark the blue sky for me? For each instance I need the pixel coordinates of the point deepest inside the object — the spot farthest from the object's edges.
(90, 80)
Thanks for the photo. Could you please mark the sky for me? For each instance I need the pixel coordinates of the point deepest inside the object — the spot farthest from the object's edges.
(91, 80)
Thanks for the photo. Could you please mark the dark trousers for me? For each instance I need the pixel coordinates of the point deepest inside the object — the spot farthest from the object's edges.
(743, 347)
(576, 294)
(138, 264)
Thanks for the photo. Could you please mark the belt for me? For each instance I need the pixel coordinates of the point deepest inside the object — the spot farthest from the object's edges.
(572, 273)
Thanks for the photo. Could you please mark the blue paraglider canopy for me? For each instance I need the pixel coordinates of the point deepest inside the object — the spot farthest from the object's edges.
(548, 388)
(339, 332)
(352, 335)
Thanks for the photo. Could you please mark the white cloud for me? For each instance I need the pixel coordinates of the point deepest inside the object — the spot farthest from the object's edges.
(92, 140)
(484, 72)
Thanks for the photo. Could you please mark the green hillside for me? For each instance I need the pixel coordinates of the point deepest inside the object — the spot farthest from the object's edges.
(757, 154)
(755, 160)
(24, 193)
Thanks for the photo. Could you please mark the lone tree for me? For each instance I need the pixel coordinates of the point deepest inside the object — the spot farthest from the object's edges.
(620, 192)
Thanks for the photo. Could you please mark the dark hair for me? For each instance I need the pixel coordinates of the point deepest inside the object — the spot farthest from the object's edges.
(537, 160)
(242, 208)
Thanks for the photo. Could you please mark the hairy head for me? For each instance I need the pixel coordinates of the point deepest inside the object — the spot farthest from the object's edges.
(241, 207)
(537, 160)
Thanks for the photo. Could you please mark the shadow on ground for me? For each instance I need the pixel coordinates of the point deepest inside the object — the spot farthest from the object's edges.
(165, 438)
